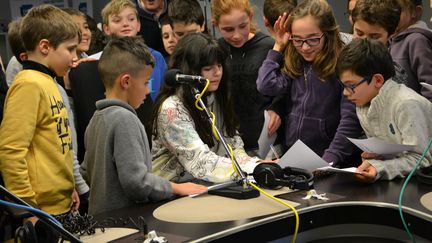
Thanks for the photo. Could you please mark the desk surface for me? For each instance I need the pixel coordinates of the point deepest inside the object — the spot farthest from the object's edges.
(357, 198)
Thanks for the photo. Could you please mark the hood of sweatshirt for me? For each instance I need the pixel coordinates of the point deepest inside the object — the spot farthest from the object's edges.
(418, 27)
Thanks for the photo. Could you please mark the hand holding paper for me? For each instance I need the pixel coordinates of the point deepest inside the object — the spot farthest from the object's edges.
(301, 156)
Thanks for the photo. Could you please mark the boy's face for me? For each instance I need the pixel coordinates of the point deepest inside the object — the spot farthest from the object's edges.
(181, 28)
(362, 29)
(214, 74)
(152, 5)
(357, 89)
(235, 27)
(306, 31)
(168, 38)
(84, 45)
(138, 87)
(60, 60)
(123, 24)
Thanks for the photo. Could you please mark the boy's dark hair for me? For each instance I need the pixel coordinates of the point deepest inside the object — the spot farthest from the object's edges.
(123, 55)
(14, 38)
(193, 52)
(384, 13)
(47, 22)
(366, 57)
(274, 8)
(186, 11)
(165, 20)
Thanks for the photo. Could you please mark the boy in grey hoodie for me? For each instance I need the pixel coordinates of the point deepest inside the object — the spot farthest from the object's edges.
(387, 110)
(117, 163)
(411, 46)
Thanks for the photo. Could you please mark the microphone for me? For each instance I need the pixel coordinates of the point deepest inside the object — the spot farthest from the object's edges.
(174, 78)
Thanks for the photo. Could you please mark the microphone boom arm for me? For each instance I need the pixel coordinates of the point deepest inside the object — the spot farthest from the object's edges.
(236, 164)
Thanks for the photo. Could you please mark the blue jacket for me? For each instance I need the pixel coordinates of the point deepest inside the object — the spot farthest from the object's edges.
(316, 112)
(157, 77)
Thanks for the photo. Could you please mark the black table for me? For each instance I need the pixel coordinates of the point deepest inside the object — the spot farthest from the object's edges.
(360, 207)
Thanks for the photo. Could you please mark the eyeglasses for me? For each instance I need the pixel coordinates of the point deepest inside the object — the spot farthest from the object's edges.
(310, 41)
(351, 87)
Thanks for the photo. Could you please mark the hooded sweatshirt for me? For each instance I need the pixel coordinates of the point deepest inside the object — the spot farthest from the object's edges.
(244, 63)
(412, 49)
(151, 28)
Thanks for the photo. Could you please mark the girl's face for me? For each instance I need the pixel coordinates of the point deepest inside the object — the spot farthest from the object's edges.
(214, 74)
(307, 37)
(235, 27)
(84, 45)
(168, 38)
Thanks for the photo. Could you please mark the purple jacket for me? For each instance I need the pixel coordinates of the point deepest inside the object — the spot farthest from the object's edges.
(316, 112)
(412, 49)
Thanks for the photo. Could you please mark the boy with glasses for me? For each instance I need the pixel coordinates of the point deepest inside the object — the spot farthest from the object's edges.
(387, 110)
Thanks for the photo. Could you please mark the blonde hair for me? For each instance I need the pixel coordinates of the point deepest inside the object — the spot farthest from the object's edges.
(221, 7)
(325, 61)
(114, 7)
(47, 22)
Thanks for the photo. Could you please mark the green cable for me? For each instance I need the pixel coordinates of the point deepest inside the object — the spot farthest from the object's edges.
(403, 189)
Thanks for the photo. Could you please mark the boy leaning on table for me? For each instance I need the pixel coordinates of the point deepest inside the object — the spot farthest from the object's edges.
(389, 111)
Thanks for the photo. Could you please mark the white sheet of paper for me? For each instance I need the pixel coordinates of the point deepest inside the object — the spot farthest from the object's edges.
(264, 140)
(426, 85)
(301, 156)
(350, 170)
(378, 146)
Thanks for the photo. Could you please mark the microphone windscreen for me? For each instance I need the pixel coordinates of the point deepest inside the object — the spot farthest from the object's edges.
(170, 77)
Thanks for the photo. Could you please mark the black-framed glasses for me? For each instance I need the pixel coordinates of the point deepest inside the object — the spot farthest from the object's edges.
(351, 87)
(310, 41)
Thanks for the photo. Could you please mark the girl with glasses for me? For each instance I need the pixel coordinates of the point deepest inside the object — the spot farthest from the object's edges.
(302, 66)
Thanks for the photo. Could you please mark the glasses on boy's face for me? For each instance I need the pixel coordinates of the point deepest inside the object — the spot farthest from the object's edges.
(310, 41)
(351, 87)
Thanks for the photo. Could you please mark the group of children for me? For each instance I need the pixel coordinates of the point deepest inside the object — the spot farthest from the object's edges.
(314, 87)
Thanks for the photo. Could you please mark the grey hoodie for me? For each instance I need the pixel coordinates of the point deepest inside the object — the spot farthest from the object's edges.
(412, 49)
(117, 163)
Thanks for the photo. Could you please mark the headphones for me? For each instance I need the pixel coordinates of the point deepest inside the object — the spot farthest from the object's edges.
(40, 232)
(272, 176)
(425, 175)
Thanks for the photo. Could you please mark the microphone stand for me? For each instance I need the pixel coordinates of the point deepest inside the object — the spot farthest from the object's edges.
(59, 229)
(240, 189)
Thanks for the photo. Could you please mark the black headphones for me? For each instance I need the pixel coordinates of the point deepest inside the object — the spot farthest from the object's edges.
(425, 175)
(272, 176)
(40, 232)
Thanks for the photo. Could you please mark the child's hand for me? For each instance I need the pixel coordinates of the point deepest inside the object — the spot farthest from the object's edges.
(75, 201)
(85, 59)
(281, 35)
(274, 122)
(268, 161)
(366, 156)
(367, 172)
(185, 189)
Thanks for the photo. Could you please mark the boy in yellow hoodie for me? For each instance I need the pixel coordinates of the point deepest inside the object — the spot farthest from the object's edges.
(35, 141)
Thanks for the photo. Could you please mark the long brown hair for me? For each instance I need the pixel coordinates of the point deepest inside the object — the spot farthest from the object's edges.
(325, 61)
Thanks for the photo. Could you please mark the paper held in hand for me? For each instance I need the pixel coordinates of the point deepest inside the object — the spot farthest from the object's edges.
(378, 146)
(265, 141)
(301, 156)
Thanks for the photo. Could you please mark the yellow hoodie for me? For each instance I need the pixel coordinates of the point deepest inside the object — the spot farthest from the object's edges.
(35, 143)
